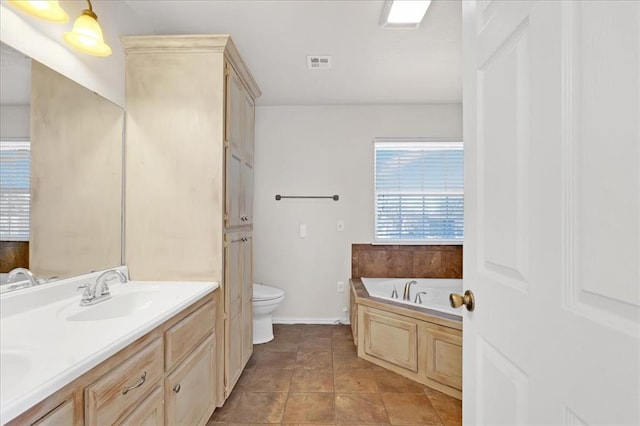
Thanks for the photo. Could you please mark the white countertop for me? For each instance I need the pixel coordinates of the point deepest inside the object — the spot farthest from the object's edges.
(46, 342)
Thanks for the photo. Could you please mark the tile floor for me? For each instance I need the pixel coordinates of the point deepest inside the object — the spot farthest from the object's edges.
(310, 374)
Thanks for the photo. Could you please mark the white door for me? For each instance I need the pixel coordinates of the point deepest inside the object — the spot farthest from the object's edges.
(552, 212)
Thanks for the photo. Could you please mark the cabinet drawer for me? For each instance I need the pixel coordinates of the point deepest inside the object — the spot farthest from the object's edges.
(183, 337)
(190, 390)
(107, 398)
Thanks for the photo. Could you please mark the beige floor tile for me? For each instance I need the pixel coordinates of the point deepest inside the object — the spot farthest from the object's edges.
(314, 360)
(449, 409)
(310, 408)
(390, 382)
(269, 380)
(284, 360)
(259, 407)
(312, 381)
(360, 408)
(404, 409)
(355, 381)
(350, 361)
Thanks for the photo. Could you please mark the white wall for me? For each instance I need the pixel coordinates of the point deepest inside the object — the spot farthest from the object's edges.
(323, 150)
(15, 121)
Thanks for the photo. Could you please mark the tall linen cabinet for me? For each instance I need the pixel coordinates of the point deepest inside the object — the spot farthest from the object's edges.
(189, 177)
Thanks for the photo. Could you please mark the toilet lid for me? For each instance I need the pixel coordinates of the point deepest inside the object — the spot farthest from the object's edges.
(264, 292)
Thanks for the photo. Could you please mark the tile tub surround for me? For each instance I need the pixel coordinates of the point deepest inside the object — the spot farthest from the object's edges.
(406, 261)
(311, 374)
(13, 254)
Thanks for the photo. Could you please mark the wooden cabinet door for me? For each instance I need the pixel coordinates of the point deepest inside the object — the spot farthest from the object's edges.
(234, 109)
(233, 308)
(190, 389)
(150, 412)
(61, 415)
(247, 299)
(234, 197)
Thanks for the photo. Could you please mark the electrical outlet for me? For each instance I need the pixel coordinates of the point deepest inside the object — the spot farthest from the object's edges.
(340, 287)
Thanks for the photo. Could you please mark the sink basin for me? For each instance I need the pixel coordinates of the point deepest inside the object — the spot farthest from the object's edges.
(14, 366)
(120, 305)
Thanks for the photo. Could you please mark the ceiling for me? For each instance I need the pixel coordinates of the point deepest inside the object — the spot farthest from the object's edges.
(371, 64)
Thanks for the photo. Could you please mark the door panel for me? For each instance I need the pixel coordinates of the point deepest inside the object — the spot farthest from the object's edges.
(552, 212)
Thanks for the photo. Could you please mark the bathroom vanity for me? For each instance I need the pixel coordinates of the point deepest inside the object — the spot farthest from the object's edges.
(145, 356)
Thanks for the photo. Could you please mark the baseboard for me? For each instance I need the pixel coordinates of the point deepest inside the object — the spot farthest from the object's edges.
(329, 321)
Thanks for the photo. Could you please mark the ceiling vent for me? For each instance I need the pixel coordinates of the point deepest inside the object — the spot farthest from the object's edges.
(319, 62)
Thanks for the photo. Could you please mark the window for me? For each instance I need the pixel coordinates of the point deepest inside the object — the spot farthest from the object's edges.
(15, 159)
(419, 195)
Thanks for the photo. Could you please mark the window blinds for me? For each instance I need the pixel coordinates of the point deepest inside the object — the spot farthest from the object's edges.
(419, 191)
(15, 159)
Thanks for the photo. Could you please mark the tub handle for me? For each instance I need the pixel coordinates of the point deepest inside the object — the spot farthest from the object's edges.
(418, 299)
(394, 293)
(468, 300)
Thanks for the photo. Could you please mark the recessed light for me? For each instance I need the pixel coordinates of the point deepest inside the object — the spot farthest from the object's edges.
(404, 13)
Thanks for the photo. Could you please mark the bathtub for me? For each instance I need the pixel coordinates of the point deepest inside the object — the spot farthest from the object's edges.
(436, 297)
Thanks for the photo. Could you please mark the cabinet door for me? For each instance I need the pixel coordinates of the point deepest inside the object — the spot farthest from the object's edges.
(233, 308)
(234, 109)
(234, 198)
(190, 389)
(248, 137)
(62, 415)
(247, 299)
(149, 413)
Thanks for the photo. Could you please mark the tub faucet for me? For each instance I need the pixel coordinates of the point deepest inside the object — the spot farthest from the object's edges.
(33, 281)
(418, 299)
(99, 290)
(394, 293)
(407, 290)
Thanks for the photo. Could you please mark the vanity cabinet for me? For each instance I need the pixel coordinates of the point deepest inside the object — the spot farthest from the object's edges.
(189, 167)
(168, 376)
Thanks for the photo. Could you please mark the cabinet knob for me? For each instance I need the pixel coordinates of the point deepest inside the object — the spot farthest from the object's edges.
(177, 388)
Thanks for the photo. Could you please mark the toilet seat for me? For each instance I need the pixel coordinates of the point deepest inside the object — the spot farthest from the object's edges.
(262, 293)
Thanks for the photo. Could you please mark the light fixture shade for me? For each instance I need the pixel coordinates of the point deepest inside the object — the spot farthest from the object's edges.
(47, 10)
(86, 35)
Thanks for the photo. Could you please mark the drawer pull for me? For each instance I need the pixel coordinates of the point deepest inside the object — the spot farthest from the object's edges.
(137, 385)
(177, 388)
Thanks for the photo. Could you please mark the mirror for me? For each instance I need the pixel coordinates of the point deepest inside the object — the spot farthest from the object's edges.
(76, 169)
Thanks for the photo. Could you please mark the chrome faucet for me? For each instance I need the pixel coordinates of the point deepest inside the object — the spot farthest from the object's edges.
(407, 290)
(99, 290)
(31, 278)
(418, 299)
(394, 293)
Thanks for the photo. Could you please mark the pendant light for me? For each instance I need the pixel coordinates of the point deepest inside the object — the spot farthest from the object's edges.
(47, 10)
(86, 35)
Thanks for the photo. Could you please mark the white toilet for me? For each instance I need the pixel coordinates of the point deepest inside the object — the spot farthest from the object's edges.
(265, 300)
